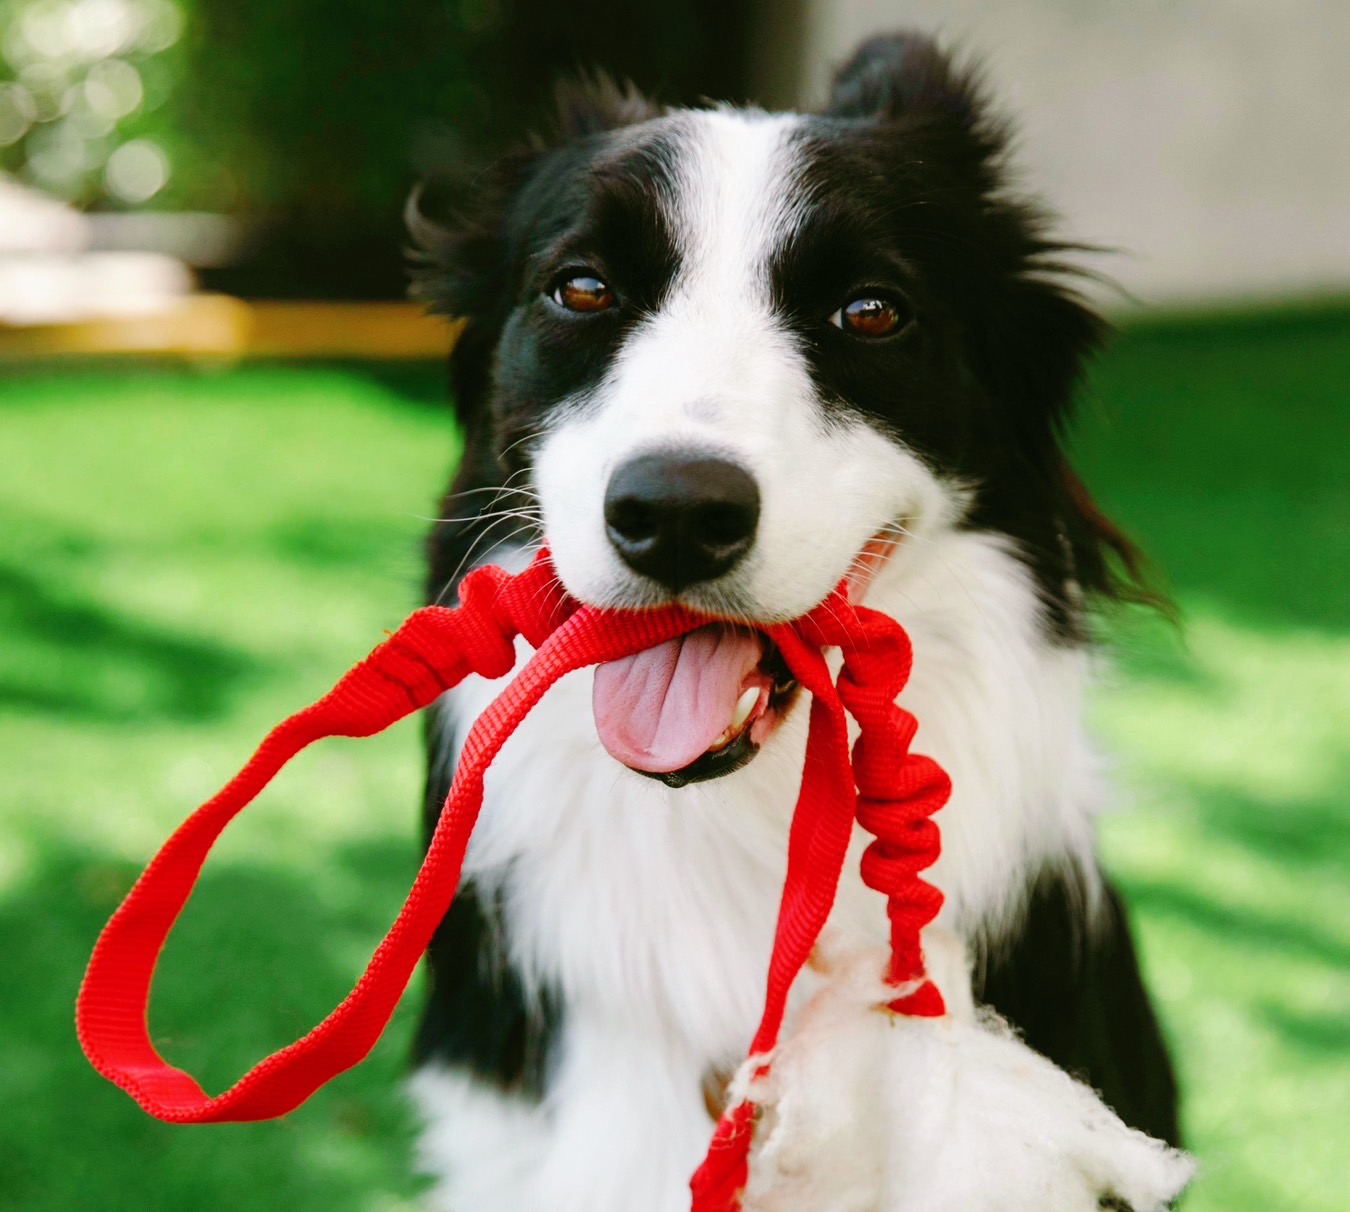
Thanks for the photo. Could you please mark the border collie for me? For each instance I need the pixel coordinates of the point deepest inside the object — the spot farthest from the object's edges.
(729, 358)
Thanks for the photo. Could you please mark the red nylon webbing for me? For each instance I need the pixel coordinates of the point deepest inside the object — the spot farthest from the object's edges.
(433, 650)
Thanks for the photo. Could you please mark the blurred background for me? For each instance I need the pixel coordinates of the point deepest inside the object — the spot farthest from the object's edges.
(222, 431)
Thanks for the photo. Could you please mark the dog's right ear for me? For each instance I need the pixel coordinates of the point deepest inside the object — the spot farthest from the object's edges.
(595, 103)
(451, 260)
(896, 75)
(457, 271)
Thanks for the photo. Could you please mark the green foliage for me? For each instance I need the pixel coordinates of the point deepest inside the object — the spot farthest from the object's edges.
(325, 111)
(84, 89)
(188, 555)
(310, 121)
(252, 106)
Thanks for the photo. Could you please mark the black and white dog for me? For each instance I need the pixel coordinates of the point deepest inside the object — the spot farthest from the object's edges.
(729, 357)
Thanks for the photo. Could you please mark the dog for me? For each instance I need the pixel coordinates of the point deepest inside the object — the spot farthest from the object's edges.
(732, 358)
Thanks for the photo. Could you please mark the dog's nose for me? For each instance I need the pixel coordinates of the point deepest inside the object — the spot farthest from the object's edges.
(681, 519)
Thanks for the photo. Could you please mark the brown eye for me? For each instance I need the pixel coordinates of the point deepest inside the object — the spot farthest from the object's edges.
(583, 292)
(872, 316)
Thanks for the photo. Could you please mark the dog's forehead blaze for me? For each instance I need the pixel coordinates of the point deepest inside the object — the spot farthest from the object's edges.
(716, 334)
(728, 183)
(738, 196)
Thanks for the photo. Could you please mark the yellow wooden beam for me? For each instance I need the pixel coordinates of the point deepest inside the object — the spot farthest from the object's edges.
(223, 327)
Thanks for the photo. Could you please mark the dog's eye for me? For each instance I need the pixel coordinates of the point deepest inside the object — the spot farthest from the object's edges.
(873, 316)
(583, 292)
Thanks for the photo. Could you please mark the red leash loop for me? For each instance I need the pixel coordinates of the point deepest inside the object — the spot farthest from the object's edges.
(434, 650)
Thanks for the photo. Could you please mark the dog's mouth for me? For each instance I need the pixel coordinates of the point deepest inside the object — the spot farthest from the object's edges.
(700, 706)
(696, 707)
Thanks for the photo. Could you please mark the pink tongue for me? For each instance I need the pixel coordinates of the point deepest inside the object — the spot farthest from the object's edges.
(661, 709)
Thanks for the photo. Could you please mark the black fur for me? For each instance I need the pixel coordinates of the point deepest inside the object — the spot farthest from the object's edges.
(1077, 996)
(477, 1015)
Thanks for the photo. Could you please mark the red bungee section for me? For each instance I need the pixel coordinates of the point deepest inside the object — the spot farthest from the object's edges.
(895, 797)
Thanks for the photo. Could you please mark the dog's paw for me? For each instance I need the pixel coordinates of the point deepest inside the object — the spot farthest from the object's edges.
(867, 1111)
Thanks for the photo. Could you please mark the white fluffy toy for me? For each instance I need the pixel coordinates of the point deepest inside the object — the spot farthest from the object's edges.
(866, 1110)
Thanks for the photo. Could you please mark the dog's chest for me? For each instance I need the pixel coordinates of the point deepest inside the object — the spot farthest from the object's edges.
(657, 906)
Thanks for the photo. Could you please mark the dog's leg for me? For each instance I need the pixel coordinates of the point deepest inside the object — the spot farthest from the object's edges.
(482, 1145)
(628, 1120)
(621, 1124)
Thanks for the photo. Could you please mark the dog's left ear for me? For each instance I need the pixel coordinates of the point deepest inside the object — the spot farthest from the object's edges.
(1029, 329)
(1029, 332)
(898, 75)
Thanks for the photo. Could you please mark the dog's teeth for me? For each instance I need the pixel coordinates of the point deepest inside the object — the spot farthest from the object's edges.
(744, 706)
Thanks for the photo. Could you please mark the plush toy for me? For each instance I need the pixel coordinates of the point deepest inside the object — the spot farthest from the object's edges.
(883, 1099)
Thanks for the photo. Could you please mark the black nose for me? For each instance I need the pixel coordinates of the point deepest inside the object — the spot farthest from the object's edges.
(681, 519)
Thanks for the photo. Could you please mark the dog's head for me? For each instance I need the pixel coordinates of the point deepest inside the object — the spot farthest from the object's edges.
(732, 358)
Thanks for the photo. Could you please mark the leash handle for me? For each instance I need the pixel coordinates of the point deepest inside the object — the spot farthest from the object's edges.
(434, 649)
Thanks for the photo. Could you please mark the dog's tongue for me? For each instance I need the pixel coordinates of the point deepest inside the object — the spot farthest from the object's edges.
(660, 709)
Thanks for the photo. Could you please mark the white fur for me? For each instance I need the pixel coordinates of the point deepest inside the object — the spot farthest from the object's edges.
(492, 1144)
(653, 909)
(621, 1127)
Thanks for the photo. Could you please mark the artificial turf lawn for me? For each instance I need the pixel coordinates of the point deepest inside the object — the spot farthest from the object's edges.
(188, 554)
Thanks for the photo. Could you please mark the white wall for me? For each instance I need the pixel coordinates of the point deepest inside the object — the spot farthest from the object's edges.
(1209, 139)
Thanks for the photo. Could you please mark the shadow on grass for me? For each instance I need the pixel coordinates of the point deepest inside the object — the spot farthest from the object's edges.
(318, 541)
(1300, 838)
(1249, 926)
(107, 665)
(1317, 1035)
(1302, 835)
(262, 955)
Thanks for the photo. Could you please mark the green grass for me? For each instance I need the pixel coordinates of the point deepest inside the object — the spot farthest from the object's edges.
(1222, 445)
(188, 554)
(186, 557)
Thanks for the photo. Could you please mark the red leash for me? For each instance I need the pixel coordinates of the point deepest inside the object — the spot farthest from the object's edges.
(897, 793)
